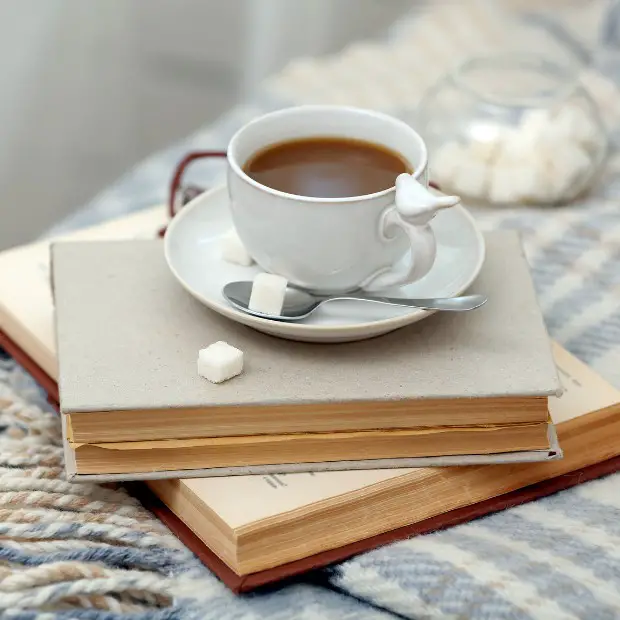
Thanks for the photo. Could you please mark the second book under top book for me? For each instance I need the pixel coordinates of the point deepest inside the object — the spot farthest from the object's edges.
(128, 337)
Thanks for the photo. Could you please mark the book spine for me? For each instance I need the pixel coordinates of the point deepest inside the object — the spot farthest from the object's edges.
(45, 382)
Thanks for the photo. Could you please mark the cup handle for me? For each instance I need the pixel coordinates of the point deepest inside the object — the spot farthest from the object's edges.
(412, 212)
(423, 251)
(175, 183)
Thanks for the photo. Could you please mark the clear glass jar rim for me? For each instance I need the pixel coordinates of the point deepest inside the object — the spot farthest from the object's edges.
(565, 76)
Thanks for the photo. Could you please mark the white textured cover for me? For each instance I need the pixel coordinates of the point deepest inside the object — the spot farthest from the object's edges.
(128, 335)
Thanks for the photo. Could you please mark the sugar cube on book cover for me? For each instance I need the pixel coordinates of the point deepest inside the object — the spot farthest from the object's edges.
(455, 389)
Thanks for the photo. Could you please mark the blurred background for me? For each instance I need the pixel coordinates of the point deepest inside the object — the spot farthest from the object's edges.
(90, 87)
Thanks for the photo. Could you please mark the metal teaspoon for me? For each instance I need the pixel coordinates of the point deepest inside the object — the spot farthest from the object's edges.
(298, 304)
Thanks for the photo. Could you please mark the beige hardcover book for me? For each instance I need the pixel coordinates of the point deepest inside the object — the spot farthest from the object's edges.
(255, 523)
(129, 335)
(343, 450)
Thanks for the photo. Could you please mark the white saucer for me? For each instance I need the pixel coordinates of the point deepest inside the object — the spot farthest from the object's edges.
(192, 253)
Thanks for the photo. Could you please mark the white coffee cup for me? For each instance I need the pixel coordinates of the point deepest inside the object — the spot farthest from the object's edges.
(335, 244)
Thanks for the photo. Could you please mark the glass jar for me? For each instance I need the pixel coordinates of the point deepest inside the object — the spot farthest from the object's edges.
(512, 129)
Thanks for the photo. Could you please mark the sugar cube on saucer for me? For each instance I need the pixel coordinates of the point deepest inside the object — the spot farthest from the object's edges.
(268, 292)
(233, 250)
(220, 362)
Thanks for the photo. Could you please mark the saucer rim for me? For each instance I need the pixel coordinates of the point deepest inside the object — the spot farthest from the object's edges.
(290, 327)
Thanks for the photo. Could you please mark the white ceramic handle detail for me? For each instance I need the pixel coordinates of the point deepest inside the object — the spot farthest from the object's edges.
(423, 250)
(414, 208)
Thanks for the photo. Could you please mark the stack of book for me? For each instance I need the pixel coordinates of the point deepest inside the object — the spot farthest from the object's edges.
(317, 452)
(454, 389)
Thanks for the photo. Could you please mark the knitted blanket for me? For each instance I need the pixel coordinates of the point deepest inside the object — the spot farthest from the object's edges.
(83, 551)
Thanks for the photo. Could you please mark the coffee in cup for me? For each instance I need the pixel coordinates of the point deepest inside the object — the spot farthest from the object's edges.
(326, 167)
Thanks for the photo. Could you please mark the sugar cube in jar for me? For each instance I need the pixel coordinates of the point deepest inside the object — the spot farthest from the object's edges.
(512, 130)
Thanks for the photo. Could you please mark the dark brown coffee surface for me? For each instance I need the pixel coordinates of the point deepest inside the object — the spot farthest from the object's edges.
(326, 167)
